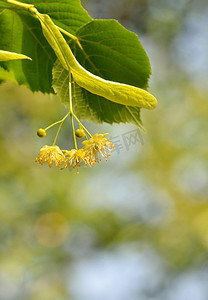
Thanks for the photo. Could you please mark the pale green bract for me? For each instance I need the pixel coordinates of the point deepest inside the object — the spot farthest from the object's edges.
(6, 55)
(116, 92)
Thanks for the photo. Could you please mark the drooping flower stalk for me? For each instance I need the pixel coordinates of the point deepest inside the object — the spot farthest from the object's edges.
(94, 147)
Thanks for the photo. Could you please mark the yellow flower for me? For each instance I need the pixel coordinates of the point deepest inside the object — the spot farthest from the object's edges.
(75, 158)
(98, 146)
(50, 155)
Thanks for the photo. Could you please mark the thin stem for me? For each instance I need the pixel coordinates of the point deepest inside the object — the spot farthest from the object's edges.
(59, 128)
(73, 37)
(73, 131)
(82, 125)
(72, 113)
(60, 121)
(71, 110)
(70, 93)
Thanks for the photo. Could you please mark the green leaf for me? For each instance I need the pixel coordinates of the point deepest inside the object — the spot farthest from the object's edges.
(90, 107)
(22, 33)
(4, 5)
(6, 55)
(113, 91)
(67, 14)
(112, 52)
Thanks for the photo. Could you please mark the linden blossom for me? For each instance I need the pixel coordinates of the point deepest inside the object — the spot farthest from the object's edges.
(75, 158)
(50, 155)
(96, 147)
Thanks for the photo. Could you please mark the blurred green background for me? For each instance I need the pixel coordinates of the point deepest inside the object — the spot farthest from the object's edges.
(136, 227)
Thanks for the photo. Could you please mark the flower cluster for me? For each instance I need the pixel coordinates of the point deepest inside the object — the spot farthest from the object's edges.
(93, 150)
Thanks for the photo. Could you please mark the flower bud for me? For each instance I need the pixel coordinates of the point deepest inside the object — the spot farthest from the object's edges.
(80, 133)
(41, 132)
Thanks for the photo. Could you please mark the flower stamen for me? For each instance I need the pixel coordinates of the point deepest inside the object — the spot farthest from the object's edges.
(98, 146)
(50, 155)
(75, 158)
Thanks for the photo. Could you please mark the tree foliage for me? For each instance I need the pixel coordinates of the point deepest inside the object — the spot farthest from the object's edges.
(103, 47)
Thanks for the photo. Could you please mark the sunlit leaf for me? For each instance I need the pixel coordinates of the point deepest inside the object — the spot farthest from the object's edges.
(114, 91)
(91, 107)
(22, 33)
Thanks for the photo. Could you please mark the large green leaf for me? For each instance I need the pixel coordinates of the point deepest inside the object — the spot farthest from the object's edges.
(22, 33)
(116, 92)
(68, 14)
(90, 107)
(112, 52)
